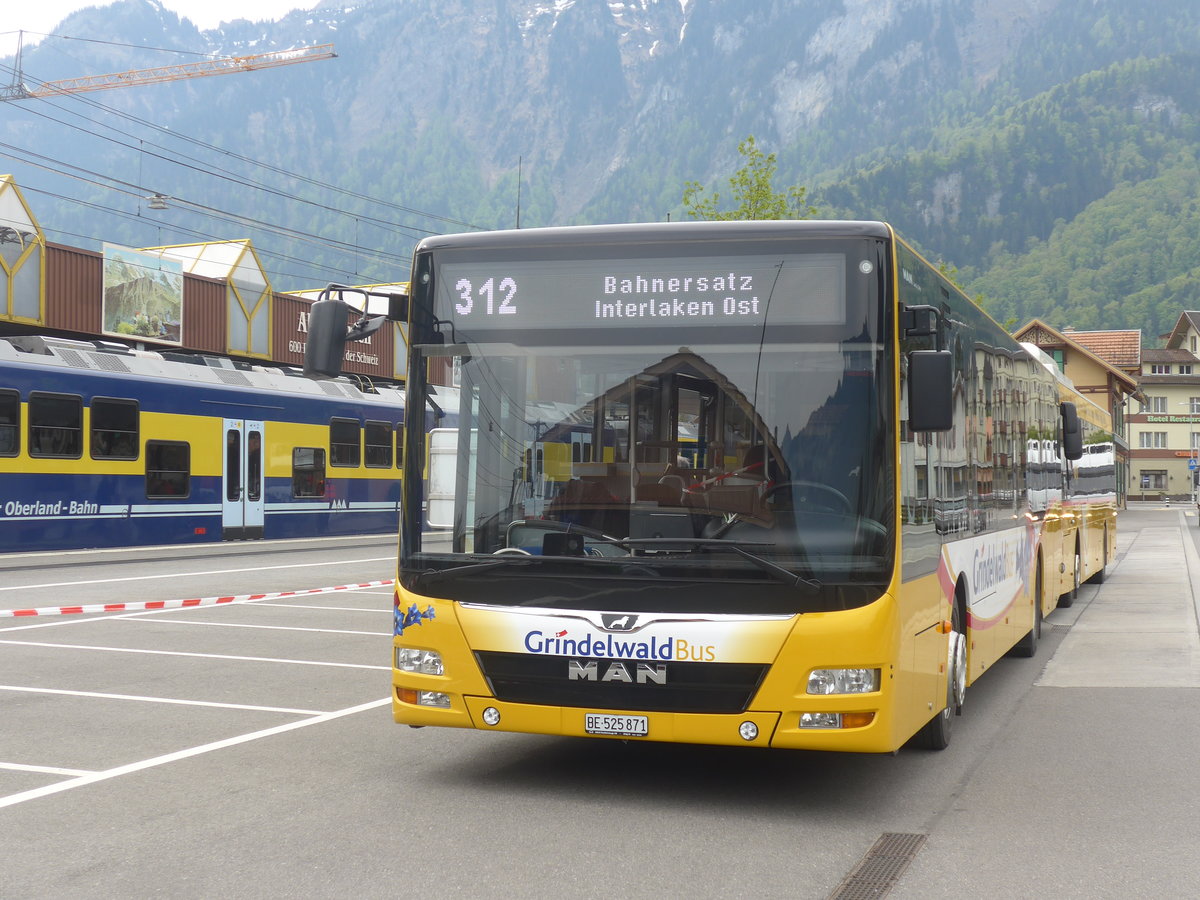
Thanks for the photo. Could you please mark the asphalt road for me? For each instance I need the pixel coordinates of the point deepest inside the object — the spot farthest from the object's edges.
(246, 749)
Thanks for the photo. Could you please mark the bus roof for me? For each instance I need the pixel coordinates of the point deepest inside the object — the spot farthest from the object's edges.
(668, 232)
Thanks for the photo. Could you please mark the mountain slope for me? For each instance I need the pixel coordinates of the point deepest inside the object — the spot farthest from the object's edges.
(982, 128)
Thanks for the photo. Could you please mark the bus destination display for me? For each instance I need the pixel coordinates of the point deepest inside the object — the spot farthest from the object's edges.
(659, 292)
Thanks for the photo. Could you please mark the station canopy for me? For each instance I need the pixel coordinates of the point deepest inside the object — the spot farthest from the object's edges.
(248, 288)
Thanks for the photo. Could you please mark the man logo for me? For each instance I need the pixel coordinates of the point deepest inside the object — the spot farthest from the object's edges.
(618, 621)
(643, 673)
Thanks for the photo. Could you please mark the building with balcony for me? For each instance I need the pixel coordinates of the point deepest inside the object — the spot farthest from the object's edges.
(1164, 431)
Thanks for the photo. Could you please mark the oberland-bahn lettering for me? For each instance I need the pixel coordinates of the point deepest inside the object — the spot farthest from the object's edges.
(16, 508)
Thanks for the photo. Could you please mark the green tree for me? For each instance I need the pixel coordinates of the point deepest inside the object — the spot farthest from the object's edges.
(752, 191)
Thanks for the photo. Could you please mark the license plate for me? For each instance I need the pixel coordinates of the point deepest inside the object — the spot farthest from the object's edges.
(629, 726)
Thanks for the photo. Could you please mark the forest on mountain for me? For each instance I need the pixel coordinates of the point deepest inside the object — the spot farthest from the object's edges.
(1080, 206)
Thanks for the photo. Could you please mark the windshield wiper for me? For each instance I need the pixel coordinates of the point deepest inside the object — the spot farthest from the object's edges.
(779, 573)
(428, 576)
(509, 560)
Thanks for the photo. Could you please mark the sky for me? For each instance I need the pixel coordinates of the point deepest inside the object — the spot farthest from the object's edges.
(44, 15)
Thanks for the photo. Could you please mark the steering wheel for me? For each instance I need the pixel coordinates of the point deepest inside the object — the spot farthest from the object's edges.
(812, 494)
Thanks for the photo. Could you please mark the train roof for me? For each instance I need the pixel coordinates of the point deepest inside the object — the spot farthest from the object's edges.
(164, 367)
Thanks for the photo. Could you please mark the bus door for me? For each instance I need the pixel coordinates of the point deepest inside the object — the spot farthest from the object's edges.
(242, 480)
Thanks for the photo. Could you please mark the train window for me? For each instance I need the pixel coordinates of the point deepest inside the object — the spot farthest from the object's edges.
(308, 472)
(168, 468)
(399, 444)
(254, 465)
(378, 439)
(55, 425)
(114, 428)
(344, 444)
(10, 423)
(233, 465)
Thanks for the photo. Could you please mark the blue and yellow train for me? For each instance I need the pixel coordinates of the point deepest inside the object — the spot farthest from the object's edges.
(103, 446)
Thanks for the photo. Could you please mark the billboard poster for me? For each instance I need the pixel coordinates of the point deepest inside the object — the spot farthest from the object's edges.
(143, 296)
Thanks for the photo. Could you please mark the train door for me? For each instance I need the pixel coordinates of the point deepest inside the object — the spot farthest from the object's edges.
(242, 480)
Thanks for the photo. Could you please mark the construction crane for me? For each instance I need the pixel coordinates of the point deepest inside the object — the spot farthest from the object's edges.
(222, 66)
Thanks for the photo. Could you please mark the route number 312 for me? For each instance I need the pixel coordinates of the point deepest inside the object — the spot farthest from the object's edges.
(489, 292)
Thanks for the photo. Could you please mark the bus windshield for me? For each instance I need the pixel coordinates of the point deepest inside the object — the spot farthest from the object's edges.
(681, 415)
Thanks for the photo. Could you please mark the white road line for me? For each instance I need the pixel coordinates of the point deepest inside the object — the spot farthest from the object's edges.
(374, 609)
(83, 780)
(44, 770)
(268, 627)
(204, 573)
(273, 709)
(294, 662)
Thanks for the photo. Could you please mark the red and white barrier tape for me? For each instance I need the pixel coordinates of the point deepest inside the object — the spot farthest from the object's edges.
(181, 604)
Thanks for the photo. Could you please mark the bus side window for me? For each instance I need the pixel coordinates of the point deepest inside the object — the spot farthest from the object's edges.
(10, 423)
(399, 445)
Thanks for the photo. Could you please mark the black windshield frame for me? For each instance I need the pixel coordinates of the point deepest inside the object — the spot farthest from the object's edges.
(864, 336)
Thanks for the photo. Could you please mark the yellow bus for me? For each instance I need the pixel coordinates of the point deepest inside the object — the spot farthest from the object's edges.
(805, 515)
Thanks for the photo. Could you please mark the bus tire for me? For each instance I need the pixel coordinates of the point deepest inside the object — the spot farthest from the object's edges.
(1026, 648)
(1099, 576)
(1067, 600)
(936, 733)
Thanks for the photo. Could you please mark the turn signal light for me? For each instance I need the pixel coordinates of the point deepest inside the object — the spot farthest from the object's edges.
(857, 719)
(836, 720)
(423, 698)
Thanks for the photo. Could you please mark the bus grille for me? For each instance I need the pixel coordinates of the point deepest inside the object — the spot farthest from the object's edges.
(691, 687)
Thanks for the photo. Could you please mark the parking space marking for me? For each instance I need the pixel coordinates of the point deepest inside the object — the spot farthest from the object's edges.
(294, 662)
(130, 768)
(274, 709)
(45, 770)
(267, 627)
(373, 609)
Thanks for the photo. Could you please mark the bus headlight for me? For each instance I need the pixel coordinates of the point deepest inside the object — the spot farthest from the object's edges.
(843, 681)
(836, 720)
(422, 662)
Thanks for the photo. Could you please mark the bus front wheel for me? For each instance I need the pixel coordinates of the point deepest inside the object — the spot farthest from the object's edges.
(936, 733)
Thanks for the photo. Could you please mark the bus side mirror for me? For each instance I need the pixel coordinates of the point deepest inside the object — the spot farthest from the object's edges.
(326, 344)
(930, 390)
(1072, 433)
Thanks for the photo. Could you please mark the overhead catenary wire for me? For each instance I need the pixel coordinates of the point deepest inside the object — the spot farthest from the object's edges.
(138, 191)
(204, 168)
(400, 262)
(110, 112)
(201, 236)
